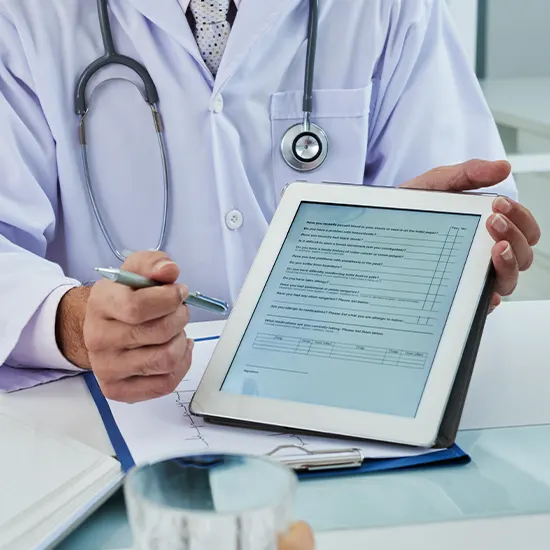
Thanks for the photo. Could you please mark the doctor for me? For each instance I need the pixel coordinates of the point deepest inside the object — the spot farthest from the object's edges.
(189, 152)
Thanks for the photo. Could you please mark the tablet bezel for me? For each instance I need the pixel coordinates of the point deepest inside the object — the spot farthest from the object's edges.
(209, 401)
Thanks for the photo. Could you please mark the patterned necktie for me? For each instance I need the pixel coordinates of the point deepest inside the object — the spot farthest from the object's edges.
(211, 29)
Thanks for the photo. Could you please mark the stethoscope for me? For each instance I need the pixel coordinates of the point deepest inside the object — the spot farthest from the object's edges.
(304, 146)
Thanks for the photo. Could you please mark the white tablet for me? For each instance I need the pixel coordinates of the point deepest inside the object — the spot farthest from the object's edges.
(354, 317)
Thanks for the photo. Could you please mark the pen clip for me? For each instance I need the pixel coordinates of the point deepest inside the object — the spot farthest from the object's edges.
(200, 300)
(319, 460)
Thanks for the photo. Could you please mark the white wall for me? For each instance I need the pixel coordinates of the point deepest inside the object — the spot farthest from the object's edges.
(518, 45)
(518, 38)
(534, 192)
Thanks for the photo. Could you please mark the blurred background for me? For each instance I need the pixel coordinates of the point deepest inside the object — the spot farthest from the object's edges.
(508, 43)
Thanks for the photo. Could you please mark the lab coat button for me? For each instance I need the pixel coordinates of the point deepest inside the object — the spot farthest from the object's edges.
(217, 104)
(234, 220)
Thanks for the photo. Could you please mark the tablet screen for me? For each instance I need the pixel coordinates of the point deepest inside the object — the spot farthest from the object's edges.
(354, 308)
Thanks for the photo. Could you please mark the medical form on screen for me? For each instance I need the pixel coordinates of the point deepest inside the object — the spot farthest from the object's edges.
(354, 308)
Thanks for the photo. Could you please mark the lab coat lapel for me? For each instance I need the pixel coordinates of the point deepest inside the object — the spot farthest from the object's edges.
(168, 15)
(253, 21)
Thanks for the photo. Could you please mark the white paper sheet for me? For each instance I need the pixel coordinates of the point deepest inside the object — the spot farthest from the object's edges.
(164, 427)
(511, 382)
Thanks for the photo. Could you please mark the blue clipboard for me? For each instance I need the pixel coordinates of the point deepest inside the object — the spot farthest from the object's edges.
(454, 455)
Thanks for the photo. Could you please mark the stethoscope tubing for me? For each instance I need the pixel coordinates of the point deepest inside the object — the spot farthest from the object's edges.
(294, 144)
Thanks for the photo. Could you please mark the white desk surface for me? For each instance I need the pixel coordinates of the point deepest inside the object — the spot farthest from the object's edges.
(510, 533)
(521, 103)
(504, 490)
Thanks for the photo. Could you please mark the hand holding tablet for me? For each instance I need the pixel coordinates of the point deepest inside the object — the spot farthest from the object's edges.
(512, 226)
(357, 315)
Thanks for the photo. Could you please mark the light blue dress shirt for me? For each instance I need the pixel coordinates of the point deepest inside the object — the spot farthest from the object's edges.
(393, 90)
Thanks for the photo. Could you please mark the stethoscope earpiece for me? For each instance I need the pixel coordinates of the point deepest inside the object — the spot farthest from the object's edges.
(304, 150)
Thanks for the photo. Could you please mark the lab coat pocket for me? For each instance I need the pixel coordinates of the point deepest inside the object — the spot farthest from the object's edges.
(343, 115)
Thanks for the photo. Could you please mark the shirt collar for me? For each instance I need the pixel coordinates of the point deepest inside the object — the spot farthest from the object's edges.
(185, 4)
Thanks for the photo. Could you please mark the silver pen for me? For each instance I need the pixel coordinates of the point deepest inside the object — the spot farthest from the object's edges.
(133, 280)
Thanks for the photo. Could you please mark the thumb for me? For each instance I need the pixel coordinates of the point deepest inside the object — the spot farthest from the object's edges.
(467, 176)
(154, 265)
(300, 537)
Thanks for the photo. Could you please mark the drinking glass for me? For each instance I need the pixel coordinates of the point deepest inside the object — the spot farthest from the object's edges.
(210, 501)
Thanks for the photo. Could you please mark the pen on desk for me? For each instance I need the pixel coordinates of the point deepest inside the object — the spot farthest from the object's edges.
(133, 280)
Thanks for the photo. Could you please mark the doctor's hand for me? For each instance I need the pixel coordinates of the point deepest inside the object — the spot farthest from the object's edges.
(135, 339)
(512, 226)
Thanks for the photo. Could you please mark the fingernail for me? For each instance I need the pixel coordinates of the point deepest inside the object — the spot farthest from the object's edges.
(184, 292)
(507, 254)
(190, 344)
(502, 205)
(500, 224)
(162, 264)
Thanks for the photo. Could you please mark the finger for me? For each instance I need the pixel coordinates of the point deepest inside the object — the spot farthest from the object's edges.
(112, 334)
(495, 302)
(502, 229)
(152, 360)
(155, 265)
(110, 300)
(506, 267)
(138, 388)
(521, 217)
(467, 176)
(300, 537)
(143, 389)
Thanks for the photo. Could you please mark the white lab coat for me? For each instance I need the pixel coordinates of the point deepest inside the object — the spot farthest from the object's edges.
(392, 90)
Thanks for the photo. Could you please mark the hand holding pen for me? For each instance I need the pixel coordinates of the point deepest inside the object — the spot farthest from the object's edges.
(136, 339)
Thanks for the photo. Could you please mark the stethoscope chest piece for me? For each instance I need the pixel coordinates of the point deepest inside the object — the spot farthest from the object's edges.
(304, 150)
